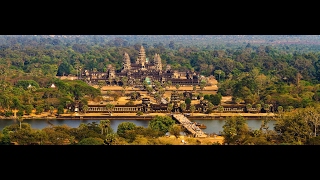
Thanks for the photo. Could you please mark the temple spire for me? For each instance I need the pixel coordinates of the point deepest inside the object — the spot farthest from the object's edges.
(141, 56)
(126, 62)
(157, 62)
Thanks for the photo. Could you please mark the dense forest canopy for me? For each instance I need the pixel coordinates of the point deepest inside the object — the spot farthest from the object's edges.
(282, 70)
(64, 55)
(186, 40)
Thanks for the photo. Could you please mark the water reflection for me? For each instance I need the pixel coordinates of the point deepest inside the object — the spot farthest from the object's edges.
(42, 123)
(213, 126)
(216, 126)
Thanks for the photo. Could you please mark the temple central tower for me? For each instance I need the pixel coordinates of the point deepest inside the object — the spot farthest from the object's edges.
(141, 56)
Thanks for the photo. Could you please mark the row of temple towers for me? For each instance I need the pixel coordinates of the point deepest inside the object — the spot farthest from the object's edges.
(142, 62)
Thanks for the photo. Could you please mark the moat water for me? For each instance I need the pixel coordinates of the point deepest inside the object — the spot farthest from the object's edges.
(213, 126)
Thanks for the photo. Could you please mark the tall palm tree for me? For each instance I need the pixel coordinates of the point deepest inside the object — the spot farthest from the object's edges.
(108, 123)
(248, 106)
(210, 107)
(170, 107)
(266, 107)
(109, 107)
(104, 124)
(219, 73)
(85, 108)
(15, 104)
(183, 106)
(280, 109)
(237, 101)
(220, 109)
(258, 107)
(117, 79)
(51, 109)
(192, 109)
(20, 119)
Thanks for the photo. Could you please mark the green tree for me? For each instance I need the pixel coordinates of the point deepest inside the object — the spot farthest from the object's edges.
(248, 107)
(27, 83)
(210, 107)
(177, 86)
(51, 109)
(280, 110)
(125, 126)
(187, 101)
(15, 105)
(313, 141)
(91, 141)
(110, 107)
(101, 83)
(5, 140)
(60, 109)
(104, 125)
(110, 139)
(294, 128)
(23, 135)
(20, 119)
(170, 107)
(238, 101)
(220, 109)
(290, 108)
(124, 81)
(194, 88)
(192, 108)
(85, 108)
(258, 107)
(40, 136)
(161, 123)
(202, 85)
(39, 109)
(183, 106)
(139, 113)
(157, 84)
(312, 115)
(28, 109)
(175, 130)
(235, 130)
(64, 69)
(201, 95)
(219, 72)
(215, 99)
(266, 107)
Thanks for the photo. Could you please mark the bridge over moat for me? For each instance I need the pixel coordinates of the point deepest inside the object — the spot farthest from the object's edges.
(188, 125)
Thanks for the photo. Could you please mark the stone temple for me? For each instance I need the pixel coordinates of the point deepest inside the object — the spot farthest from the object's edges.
(143, 69)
